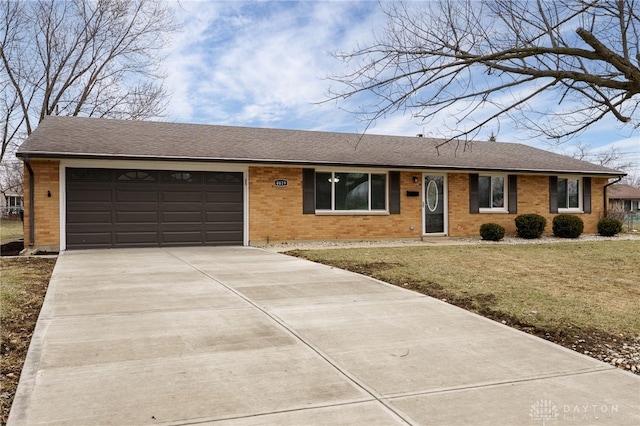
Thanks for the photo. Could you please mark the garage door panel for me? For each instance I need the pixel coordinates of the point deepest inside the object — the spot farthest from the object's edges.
(149, 196)
(182, 217)
(153, 208)
(223, 206)
(185, 196)
(227, 237)
(224, 197)
(88, 217)
(223, 227)
(183, 236)
(221, 217)
(90, 195)
(147, 238)
(89, 239)
(150, 217)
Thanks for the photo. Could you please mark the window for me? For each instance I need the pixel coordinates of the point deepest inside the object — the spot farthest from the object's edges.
(569, 194)
(345, 191)
(181, 177)
(88, 175)
(136, 176)
(491, 193)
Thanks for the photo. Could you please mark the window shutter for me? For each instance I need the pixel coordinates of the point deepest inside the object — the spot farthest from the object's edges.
(394, 192)
(586, 194)
(513, 193)
(553, 194)
(308, 191)
(474, 205)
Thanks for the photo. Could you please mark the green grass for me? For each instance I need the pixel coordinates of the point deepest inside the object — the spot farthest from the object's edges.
(554, 288)
(10, 229)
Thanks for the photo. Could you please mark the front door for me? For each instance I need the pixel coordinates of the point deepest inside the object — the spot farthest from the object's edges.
(435, 204)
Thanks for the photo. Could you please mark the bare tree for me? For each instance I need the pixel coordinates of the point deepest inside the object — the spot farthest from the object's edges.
(612, 157)
(11, 177)
(84, 58)
(554, 67)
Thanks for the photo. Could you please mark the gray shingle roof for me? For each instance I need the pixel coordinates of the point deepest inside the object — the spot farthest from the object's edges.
(75, 137)
(623, 192)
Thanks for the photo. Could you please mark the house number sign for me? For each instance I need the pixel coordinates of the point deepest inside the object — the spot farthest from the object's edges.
(281, 183)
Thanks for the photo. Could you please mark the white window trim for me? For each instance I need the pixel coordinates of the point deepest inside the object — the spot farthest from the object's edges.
(580, 208)
(334, 212)
(505, 189)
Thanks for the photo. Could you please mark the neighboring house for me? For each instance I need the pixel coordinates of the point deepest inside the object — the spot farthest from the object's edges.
(11, 205)
(109, 183)
(624, 198)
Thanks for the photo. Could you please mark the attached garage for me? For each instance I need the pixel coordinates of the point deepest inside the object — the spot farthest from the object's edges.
(152, 208)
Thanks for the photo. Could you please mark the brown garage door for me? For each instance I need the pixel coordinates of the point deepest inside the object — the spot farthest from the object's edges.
(150, 208)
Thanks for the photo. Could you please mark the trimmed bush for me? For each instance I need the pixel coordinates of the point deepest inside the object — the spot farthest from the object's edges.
(491, 232)
(567, 226)
(609, 226)
(530, 226)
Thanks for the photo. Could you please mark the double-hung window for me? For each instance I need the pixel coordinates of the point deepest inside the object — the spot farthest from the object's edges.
(492, 194)
(348, 191)
(569, 198)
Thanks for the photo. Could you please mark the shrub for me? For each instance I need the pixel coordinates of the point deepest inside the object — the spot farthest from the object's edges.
(567, 226)
(491, 232)
(609, 226)
(530, 226)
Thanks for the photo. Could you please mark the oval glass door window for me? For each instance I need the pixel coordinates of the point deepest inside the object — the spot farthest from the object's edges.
(432, 196)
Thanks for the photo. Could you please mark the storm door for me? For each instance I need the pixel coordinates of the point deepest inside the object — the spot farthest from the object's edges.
(435, 204)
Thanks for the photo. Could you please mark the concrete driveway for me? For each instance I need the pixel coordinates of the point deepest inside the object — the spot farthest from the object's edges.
(244, 336)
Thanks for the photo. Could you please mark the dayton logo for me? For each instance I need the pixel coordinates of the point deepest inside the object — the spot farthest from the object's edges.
(544, 410)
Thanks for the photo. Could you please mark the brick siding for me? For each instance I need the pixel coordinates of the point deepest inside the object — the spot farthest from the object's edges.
(46, 209)
(276, 212)
(533, 197)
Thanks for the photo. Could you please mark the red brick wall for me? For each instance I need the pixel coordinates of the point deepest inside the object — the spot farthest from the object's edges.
(46, 209)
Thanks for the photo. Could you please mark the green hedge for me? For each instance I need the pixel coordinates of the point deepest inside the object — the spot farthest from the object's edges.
(491, 232)
(567, 226)
(609, 226)
(530, 226)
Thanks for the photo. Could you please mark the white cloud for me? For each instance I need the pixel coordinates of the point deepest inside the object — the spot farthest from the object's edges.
(265, 64)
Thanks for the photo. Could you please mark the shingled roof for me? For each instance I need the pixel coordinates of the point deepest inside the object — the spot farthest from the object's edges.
(97, 138)
(621, 191)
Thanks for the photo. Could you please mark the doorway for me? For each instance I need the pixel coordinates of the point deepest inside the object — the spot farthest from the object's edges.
(434, 204)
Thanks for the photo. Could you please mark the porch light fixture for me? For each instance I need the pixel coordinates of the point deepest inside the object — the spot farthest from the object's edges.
(415, 179)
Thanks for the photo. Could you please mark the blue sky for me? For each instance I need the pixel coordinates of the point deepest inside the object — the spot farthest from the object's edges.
(265, 64)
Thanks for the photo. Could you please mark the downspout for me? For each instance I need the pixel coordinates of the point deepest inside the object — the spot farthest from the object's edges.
(32, 219)
(604, 193)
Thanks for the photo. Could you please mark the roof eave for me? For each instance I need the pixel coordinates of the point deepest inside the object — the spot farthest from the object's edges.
(94, 156)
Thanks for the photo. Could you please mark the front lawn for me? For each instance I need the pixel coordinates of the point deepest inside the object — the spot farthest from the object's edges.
(23, 284)
(583, 295)
(10, 229)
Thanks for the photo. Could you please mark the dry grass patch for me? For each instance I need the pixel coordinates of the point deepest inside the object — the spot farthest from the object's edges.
(23, 284)
(565, 292)
(10, 229)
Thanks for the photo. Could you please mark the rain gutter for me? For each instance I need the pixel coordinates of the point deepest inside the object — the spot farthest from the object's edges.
(31, 201)
(604, 193)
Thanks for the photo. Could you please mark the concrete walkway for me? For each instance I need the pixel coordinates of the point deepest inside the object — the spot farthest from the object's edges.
(244, 336)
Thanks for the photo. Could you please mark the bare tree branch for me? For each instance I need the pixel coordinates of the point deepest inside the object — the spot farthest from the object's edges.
(556, 67)
(87, 58)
